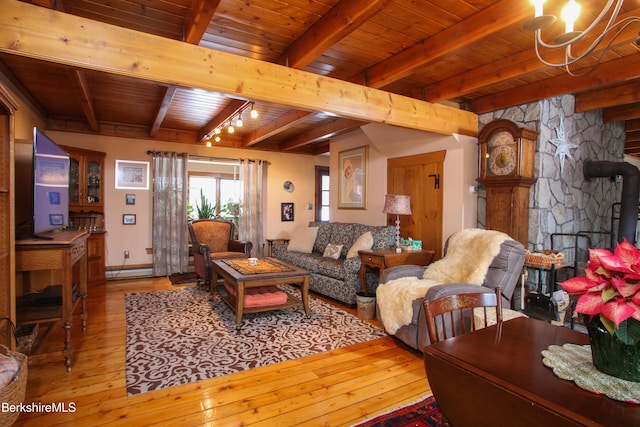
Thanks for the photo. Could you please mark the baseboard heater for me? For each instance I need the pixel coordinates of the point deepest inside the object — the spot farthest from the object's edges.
(129, 272)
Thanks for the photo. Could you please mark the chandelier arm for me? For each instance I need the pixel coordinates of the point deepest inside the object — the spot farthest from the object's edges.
(582, 34)
(630, 21)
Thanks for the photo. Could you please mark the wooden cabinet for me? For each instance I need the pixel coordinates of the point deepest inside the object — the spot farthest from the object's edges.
(96, 273)
(86, 206)
(86, 180)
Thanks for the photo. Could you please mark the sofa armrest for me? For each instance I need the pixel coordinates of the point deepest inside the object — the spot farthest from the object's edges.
(401, 271)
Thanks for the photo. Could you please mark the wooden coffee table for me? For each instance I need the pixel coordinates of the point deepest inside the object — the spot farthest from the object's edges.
(241, 282)
(495, 376)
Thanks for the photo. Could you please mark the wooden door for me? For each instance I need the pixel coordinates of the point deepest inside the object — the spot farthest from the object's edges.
(421, 177)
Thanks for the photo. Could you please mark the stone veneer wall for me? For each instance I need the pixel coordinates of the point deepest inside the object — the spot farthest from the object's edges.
(564, 201)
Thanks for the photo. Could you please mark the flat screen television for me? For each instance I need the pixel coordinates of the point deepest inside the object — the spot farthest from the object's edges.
(42, 206)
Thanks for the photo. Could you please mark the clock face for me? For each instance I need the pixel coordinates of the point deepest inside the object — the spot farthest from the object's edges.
(502, 159)
(501, 138)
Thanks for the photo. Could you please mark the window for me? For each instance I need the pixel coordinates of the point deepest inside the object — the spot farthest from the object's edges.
(322, 193)
(221, 195)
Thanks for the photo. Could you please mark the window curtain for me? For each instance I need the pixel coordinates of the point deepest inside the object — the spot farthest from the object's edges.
(170, 239)
(253, 174)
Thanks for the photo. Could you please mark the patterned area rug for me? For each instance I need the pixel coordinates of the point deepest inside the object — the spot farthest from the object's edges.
(424, 413)
(179, 336)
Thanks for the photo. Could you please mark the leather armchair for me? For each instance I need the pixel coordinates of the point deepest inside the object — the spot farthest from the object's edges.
(212, 239)
(504, 272)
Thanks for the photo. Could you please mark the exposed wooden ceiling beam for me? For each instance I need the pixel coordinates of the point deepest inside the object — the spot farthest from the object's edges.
(632, 125)
(78, 80)
(326, 131)
(608, 72)
(161, 112)
(608, 96)
(623, 112)
(338, 23)
(513, 66)
(446, 42)
(281, 124)
(35, 32)
(200, 14)
(231, 110)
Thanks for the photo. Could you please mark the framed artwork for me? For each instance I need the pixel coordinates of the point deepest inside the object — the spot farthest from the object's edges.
(286, 211)
(352, 183)
(130, 199)
(132, 174)
(129, 219)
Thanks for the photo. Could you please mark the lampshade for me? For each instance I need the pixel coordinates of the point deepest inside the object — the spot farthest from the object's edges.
(397, 204)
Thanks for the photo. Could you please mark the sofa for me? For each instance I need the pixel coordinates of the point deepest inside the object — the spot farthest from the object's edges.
(338, 277)
(502, 270)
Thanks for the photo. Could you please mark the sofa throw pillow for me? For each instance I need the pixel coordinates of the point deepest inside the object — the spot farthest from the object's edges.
(332, 251)
(363, 243)
(302, 239)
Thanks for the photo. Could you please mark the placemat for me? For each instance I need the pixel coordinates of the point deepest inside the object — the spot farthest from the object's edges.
(573, 362)
(265, 265)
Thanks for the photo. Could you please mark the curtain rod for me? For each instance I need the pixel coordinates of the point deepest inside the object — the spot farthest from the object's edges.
(213, 159)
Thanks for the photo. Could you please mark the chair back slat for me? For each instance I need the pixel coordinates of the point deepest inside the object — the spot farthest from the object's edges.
(454, 315)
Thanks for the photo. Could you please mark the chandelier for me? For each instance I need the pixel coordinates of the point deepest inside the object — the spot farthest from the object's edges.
(565, 41)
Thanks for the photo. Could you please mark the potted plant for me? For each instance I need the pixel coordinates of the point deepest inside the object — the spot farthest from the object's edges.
(610, 304)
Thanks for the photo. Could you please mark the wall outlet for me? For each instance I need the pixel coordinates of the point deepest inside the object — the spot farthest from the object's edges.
(126, 254)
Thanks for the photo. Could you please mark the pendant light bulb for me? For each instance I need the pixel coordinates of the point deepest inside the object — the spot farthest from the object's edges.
(208, 144)
(216, 139)
(239, 122)
(217, 131)
(230, 129)
(254, 112)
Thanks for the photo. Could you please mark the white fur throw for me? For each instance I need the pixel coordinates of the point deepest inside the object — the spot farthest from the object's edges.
(469, 255)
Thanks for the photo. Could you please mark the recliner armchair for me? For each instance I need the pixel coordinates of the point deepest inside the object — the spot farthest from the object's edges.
(504, 272)
(212, 239)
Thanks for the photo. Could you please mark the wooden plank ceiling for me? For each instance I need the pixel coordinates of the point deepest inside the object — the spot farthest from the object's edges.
(475, 56)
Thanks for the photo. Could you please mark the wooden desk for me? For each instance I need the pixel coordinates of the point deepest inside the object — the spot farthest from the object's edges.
(388, 257)
(65, 250)
(495, 376)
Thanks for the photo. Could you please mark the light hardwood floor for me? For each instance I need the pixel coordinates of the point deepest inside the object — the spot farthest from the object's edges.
(337, 388)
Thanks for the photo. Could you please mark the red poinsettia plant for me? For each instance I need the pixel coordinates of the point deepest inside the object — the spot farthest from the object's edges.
(610, 289)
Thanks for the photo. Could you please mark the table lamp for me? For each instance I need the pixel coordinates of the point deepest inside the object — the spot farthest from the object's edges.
(397, 204)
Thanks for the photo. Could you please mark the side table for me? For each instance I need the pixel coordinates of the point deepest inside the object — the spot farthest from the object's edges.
(270, 244)
(388, 257)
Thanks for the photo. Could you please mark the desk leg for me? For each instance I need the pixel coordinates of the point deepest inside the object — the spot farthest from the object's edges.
(67, 306)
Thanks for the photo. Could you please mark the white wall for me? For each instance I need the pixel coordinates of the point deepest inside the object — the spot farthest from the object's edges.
(460, 171)
(300, 169)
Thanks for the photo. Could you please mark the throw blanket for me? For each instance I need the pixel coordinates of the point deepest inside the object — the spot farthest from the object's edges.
(469, 255)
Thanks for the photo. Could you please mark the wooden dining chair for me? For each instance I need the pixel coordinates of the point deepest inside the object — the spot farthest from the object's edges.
(459, 314)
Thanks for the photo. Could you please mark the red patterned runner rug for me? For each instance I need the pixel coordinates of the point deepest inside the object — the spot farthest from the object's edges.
(179, 336)
(424, 413)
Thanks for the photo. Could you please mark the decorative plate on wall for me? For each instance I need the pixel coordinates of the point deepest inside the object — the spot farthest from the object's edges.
(288, 186)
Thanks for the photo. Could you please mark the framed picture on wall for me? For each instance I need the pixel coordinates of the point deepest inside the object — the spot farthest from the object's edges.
(131, 174)
(130, 199)
(286, 212)
(129, 219)
(352, 182)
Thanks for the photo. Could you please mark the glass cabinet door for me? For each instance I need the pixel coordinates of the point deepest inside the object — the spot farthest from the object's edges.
(74, 181)
(94, 181)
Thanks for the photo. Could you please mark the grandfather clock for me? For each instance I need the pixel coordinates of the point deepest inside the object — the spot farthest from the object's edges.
(506, 170)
